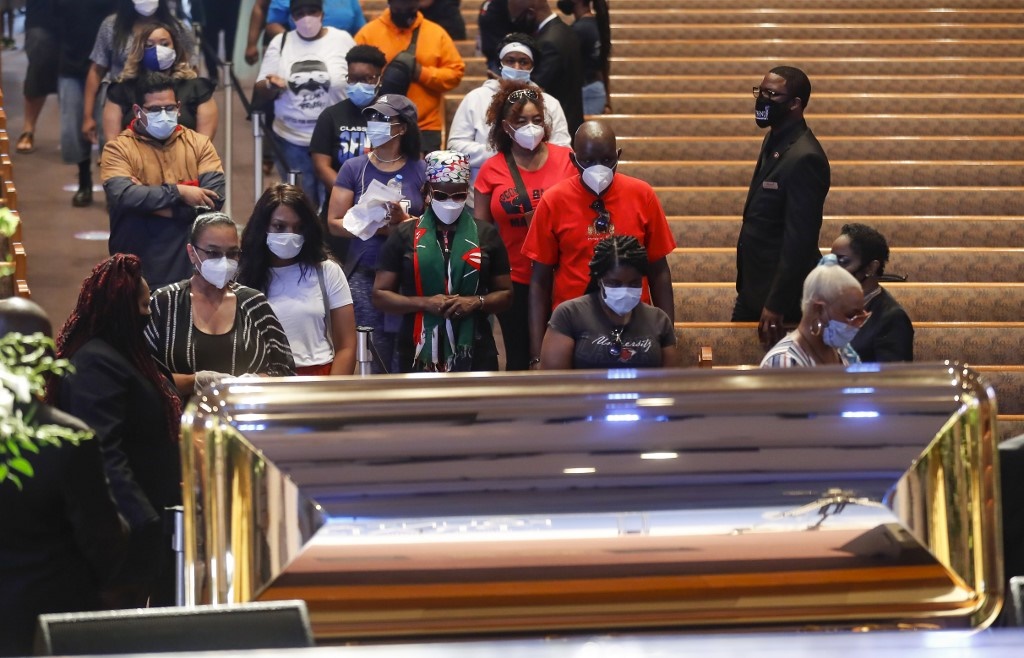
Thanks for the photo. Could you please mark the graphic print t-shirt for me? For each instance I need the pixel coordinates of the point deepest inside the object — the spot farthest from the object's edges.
(340, 133)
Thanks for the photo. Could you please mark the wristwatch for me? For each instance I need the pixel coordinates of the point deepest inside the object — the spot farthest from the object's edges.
(481, 298)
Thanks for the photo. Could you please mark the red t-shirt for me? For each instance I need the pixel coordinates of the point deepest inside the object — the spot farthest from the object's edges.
(562, 233)
(508, 210)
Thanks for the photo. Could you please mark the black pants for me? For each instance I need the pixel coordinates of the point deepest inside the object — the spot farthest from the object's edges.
(515, 329)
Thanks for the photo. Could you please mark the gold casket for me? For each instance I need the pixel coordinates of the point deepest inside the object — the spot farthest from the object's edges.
(451, 505)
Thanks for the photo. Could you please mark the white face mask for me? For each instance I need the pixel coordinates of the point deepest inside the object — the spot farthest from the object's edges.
(285, 245)
(309, 26)
(621, 300)
(598, 177)
(218, 271)
(160, 125)
(519, 75)
(447, 211)
(839, 334)
(146, 7)
(379, 133)
(529, 136)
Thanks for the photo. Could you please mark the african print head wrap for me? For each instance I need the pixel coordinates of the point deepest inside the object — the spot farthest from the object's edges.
(447, 167)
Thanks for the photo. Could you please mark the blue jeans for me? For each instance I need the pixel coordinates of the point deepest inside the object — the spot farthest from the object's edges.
(297, 158)
(75, 148)
(360, 282)
(594, 98)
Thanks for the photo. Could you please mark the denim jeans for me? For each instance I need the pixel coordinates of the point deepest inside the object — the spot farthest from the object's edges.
(360, 282)
(297, 158)
(594, 98)
(75, 148)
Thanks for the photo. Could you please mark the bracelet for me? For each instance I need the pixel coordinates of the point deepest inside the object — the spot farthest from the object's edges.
(481, 298)
(534, 361)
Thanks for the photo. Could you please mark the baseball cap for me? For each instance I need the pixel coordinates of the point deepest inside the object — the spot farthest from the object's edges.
(391, 105)
(295, 4)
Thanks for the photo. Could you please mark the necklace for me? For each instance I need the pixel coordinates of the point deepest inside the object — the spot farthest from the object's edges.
(383, 161)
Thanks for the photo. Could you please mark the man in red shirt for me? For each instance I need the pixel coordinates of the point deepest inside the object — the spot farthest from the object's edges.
(576, 214)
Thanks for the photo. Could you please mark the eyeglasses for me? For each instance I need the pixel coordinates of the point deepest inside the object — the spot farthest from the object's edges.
(603, 221)
(377, 116)
(770, 94)
(232, 254)
(444, 196)
(162, 108)
(615, 349)
(522, 94)
(371, 79)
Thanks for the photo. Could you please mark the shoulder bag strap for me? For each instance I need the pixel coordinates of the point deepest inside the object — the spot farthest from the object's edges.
(327, 305)
(513, 169)
(412, 44)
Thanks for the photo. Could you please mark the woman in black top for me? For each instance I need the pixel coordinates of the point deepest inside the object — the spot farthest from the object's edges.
(155, 50)
(888, 334)
(445, 272)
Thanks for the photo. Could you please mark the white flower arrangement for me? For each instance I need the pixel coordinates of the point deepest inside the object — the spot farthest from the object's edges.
(25, 362)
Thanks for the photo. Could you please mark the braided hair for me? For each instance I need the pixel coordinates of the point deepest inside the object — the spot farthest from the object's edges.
(108, 308)
(613, 251)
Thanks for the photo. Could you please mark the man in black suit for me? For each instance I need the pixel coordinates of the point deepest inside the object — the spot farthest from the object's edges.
(558, 69)
(61, 539)
(778, 243)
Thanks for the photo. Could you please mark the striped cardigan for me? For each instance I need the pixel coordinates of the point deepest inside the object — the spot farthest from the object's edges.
(260, 344)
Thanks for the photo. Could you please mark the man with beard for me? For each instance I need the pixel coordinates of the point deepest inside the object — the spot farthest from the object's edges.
(558, 68)
(436, 66)
(778, 243)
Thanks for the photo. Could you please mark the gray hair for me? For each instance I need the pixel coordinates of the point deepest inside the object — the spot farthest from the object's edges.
(826, 283)
(208, 219)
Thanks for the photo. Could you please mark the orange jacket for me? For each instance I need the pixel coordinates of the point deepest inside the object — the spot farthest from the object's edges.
(441, 66)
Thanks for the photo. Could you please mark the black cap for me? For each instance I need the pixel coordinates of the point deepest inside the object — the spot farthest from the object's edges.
(391, 105)
(295, 4)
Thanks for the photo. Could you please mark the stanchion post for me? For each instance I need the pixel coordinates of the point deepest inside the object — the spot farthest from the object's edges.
(293, 176)
(364, 357)
(178, 546)
(257, 154)
(228, 139)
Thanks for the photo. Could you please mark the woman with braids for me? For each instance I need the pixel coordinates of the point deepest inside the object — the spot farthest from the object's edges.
(594, 31)
(609, 327)
(888, 335)
(445, 272)
(130, 402)
(208, 327)
(283, 256)
(508, 189)
(155, 50)
(114, 41)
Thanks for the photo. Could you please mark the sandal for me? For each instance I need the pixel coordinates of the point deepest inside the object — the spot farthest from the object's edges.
(26, 142)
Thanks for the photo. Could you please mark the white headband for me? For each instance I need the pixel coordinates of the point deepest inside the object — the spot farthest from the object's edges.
(515, 47)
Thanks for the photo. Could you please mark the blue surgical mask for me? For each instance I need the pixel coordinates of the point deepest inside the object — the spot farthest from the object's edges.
(360, 93)
(160, 125)
(378, 132)
(158, 58)
(621, 300)
(839, 334)
(519, 75)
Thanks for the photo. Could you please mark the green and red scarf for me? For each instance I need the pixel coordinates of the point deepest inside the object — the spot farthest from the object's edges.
(445, 344)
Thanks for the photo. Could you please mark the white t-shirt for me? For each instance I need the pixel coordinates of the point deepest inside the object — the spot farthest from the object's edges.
(315, 72)
(299, 306)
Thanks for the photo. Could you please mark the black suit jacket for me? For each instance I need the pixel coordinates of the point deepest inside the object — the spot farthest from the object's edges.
(778, 244)
(888, 335)
(559, 70)
(127, 413)
(60, 536)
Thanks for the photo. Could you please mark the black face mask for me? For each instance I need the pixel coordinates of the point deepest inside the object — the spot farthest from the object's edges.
(566, 7)
(768, 114)
(403, 20)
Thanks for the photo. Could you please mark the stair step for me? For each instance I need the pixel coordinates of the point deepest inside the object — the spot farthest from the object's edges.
(924, 302)
(757, 65)
(726, 125)
(919, 264)
(735, 344)
(844, 173)
(792, 29)
(823, 84)
(864, 201)
(899, 231)
(792, 49)
(839, 147)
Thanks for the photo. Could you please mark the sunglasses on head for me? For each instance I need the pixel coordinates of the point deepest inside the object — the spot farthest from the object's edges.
(522, 94)
(615, 349)
(603, 221)
(444, 196)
